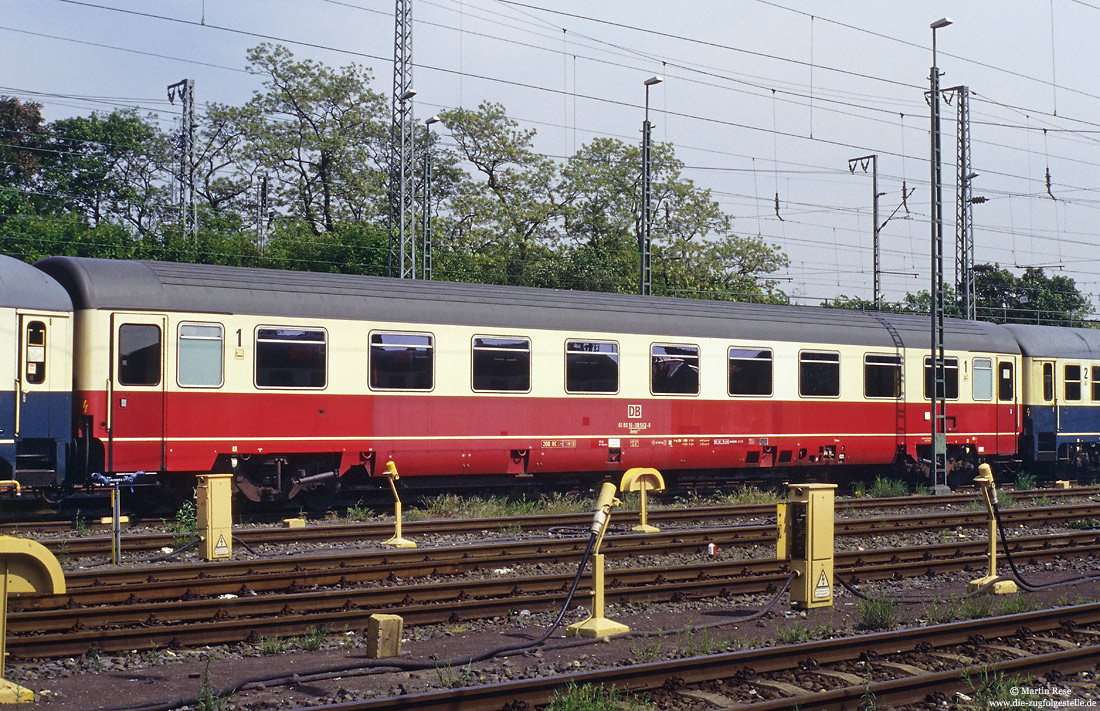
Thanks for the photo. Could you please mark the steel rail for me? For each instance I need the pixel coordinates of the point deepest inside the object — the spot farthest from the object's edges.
(61, 632)
(740, 665)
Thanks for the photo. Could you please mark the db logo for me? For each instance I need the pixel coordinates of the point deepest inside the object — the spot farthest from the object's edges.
(633, 411)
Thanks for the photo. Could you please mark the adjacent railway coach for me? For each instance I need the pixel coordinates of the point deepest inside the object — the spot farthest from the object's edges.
(1061, 396)
(292, 380)
(35, 375)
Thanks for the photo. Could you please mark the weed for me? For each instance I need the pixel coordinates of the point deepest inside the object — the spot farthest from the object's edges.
(992, 688)
(91, 660)
(273, 645)
(948, 612)
(1016, 604)
(887, 488)
(977, 607)
(690, 644)
(752, 495)
(1005, 500)
(859, 489)
(867, 698)
(153, 656)
(1085, 524)
(186, 524)
(514, 529)
(792, 634)
(208, 697)
(922, 490)
(314, 637)
(646, 650)
(595, 698)
(878, 613)
(80, 524)
(1043, 501)
(1025, 481)
(451, 678)
(358, 512)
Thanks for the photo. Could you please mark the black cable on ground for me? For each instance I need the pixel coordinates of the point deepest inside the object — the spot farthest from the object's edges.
(156, 559)
(244, 545)
(1029, 586)
(400, 665)
(923, 598)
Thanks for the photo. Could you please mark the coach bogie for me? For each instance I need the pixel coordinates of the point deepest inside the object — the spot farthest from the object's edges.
(284, 476)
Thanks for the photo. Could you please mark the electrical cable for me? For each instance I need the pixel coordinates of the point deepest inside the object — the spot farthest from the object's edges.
(1024, 583)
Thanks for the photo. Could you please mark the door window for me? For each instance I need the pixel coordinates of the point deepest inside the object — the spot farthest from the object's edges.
(138, 354)
(35, 338)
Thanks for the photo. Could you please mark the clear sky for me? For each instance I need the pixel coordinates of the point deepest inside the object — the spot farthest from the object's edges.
(760, 98)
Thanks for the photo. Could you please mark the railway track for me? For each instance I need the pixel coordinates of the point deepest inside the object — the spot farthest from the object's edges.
(377, 532)
(893, 668)
(668, 515)
(123, 615)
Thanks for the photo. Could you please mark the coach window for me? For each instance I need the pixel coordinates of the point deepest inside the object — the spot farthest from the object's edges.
(199, 360)
(950, 378)
(674, 369)
(983, 379)
(591, 367)
(401, 361)
(1048, 382)
(818, 374)
(750, 371)
(36, 352)
(1096, 383)
(502, 364)
(291, 358)
(138, 354)
(1006, 391)
(881, 375)
(1072, 384)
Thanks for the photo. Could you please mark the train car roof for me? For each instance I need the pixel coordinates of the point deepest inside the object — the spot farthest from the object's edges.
(165, 286)
(24, 287)
(1056, 341)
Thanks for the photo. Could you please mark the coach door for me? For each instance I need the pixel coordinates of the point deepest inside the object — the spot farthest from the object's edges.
(44, 378)
(1044, 410)
(136, 391)
(1008, 409)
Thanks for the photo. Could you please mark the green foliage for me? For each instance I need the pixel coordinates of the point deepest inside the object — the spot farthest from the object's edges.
(455, 506)
(992, 688)
(273, 645)
(1087, 524)
(887, 488)
(80, 525)
(645, 649)
(314, 637)
(186, 525)
(878, 613)
(690, 643)
(589, 697)
(451, 678)
(1025, 481)
(795, 634)
(208, 698)
(91, 659)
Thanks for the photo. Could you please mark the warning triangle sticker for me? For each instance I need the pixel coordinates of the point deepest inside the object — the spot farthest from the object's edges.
(823, 581)
(223, 549)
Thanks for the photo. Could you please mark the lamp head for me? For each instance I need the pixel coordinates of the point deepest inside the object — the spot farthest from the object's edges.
(407, 95)
(940, 23)
(430, 121)
(653, 80)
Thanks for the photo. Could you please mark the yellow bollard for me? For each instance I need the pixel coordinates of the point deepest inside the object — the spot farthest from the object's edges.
(25, 567)
(397, 541)
(642, 479)
(597, 625)
(806, 539)
(214, 515)
(989, 492)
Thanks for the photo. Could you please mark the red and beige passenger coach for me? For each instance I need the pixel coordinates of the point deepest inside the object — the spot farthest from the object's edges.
(291, 380)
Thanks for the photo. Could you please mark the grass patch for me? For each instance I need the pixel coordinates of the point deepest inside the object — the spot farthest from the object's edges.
(270, 646)
(883, 488)
(794, 634)
(314, 637)
(186, 525)
(1025, 481)
(451, 678)
(208, 698)
(878, 613)
(454, 506)
(1087, 524)
(645, 649)
(992, 688)
(591, 697)
(359, 512)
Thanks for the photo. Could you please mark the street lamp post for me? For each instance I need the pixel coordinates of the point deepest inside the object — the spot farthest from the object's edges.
(645, 247)
(426, 245)
(939, 381)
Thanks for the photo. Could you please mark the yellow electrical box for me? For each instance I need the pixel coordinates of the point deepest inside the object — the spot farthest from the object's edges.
(806, 537)
(214, 514)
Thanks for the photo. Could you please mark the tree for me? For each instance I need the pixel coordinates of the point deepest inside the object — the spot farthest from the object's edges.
(505, 219)
(107, 167)
(1030, 298)
(21, 136)
(320, 132)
